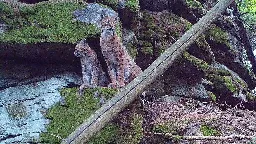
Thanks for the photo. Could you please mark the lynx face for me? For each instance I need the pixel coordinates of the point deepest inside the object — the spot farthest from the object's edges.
(82, 49)
(108, 23)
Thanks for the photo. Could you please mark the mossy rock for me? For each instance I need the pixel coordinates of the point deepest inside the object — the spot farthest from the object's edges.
(67, 117)
(218, 35)
(157, 30)
(45, 22)
(201, 64)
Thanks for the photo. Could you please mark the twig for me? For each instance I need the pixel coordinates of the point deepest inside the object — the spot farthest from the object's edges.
(206, 137)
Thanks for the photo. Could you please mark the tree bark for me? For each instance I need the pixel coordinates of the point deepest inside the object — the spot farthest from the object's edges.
(126, 95)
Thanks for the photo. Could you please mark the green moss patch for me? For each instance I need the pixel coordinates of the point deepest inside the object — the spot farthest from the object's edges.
(173, 127)
(201, 64)
(209, 131)
(134, 134)
(230, 84)
(130, 5)
(251, 96)
(111, 3)
(107, 135)
(212, 96)
(158, 30)
(218, 35)
(45, 22)
(133, 5)
(194, 4)
(66, 118)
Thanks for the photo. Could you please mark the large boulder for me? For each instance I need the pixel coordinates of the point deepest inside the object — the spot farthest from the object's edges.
(215, 66)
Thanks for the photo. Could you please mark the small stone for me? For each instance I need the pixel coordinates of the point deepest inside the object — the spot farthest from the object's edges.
(63, 101)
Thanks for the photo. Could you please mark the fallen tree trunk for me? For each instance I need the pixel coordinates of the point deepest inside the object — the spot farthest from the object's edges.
(126, 95)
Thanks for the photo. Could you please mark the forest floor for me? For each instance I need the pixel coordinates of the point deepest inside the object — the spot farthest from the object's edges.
(191, 121)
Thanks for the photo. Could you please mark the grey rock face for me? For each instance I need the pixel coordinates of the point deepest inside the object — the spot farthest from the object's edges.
(22, 107)
(93, 14)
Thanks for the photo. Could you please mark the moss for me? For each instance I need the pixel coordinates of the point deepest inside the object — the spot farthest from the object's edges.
(106, 135)
(201, 42)
(161, 128)
(222, 72)
(212, 96)
(209, 131)
(158, 30)
(17, 111)
(5, 11)
(220, 77)
(133, 5)
(66, 118)
(172, 127)
(137, 128)
(111, 3)
(218, 35)
(47, 22)
(188, 25)
(135, 133)
(242, 83)
(194, 4)
(223, 82)
(132, 50)
(201, 64)
(229, 83)
(147, 48)
(251, 96)
(176, 138)
(118, 30)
